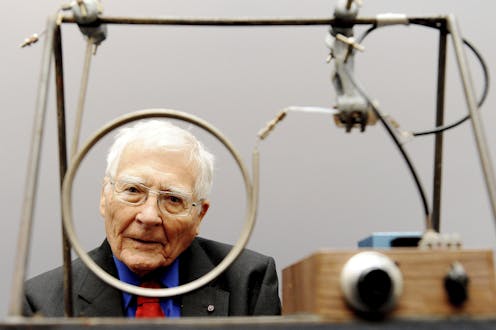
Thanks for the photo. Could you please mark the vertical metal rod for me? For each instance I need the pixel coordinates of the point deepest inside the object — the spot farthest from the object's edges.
(478, 130)
(66, 246)
(23, 242)
(438, 143)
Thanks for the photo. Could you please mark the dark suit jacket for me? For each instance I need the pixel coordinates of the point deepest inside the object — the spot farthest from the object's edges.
(248, 287)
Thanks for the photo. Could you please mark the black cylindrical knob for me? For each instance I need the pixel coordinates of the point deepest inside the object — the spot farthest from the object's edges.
(456, 284)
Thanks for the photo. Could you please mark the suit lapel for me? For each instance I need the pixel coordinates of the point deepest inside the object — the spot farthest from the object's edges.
(210, 300)
(93, 296)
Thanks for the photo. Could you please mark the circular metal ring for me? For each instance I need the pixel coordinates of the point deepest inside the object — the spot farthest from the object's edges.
(111, 280)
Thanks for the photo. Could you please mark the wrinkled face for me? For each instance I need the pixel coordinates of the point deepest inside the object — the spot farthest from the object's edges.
(142, 236)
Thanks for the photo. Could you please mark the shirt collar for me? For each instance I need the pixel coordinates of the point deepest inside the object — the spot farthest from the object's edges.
(168, 277)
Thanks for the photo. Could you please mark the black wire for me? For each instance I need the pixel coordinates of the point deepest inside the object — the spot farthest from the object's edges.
(398, 145)
(481, 101)
(366, 33)
(479, 57)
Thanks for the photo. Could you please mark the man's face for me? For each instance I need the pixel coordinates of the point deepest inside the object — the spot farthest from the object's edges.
(142, 236)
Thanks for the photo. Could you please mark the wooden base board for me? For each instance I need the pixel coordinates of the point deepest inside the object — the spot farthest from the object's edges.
(312, 286)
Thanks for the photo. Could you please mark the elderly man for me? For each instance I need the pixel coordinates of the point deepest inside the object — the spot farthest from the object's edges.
(153, 198)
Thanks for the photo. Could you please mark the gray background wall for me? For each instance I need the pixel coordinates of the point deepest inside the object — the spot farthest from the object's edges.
(320, 187)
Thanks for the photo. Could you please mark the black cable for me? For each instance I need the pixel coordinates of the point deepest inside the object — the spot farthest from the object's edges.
(481, 101)
(366, 33)
(398, 145)
(479, 57)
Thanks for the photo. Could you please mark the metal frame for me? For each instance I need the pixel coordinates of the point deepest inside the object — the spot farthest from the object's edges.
(53, 45)
(438, 140)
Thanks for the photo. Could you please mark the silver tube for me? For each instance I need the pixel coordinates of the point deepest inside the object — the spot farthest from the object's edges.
(478, 129)
(21, 260)
(82, 97)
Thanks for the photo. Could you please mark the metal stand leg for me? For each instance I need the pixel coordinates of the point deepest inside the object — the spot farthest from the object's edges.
(438, 144)
(478, 129)
(17, 291)
(66, 247)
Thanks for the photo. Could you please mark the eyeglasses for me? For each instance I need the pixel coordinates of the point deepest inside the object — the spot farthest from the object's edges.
(135, 193)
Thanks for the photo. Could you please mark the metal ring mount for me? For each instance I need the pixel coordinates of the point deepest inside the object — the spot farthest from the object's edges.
(166, 292)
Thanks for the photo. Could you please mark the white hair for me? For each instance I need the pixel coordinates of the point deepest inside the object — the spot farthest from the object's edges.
(158, 134)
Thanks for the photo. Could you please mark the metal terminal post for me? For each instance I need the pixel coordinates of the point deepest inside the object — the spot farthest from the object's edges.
(263, 133)
(350, 41)
(30, 40)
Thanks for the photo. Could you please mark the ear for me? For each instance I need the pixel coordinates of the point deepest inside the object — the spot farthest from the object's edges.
(204, 208)
(103, 197)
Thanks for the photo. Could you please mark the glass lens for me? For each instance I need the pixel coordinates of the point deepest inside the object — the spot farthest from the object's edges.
(133, 193)
(173, 203)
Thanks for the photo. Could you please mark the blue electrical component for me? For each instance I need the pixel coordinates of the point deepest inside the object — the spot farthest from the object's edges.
(391, 239)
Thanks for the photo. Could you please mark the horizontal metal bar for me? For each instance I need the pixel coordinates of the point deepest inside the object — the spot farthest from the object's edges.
(202, 21)
(289, 322)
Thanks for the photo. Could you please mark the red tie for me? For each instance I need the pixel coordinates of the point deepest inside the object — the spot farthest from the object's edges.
(148, 306)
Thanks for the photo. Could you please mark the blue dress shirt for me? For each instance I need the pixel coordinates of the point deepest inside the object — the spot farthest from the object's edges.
(168, 277)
